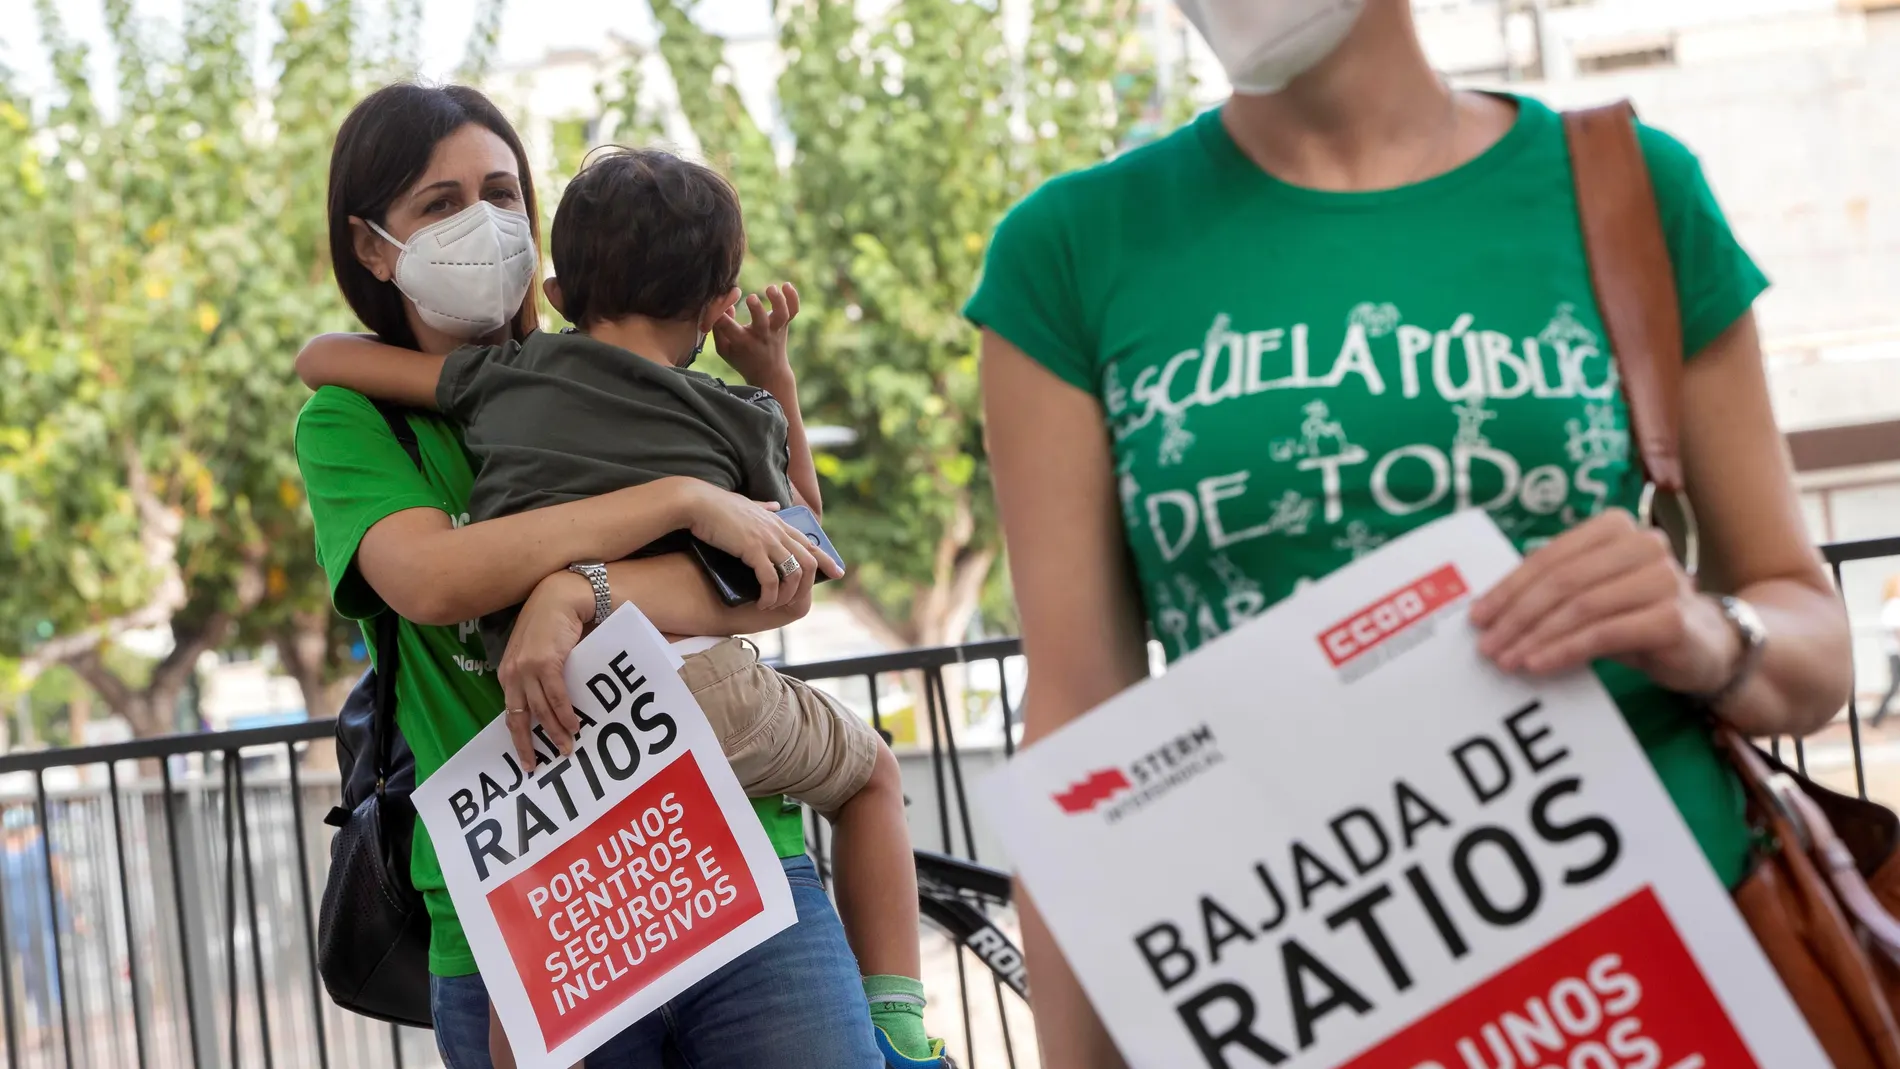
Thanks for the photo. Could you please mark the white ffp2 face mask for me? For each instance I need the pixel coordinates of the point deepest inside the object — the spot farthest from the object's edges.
(467, 274)
(1264, 44)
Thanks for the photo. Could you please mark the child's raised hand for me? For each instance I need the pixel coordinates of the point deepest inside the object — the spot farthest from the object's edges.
(757, 349)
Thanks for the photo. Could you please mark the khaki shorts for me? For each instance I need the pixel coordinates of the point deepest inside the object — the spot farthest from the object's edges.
(782, 736)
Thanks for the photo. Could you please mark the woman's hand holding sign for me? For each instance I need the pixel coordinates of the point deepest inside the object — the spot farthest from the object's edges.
(677, 599)
(532, 671)
(1608, 589)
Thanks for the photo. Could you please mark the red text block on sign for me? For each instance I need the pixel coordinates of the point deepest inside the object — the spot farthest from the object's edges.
(1619, 990)
(658, 878)
(1363, 631)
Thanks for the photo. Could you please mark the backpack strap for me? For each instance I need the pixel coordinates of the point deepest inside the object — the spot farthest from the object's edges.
(398, 420)
(387, 622)
(1634, 280)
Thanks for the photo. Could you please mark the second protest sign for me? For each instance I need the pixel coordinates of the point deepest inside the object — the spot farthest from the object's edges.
(1339, 837)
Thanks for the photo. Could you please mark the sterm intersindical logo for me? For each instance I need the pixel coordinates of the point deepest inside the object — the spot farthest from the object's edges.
(1121, 791)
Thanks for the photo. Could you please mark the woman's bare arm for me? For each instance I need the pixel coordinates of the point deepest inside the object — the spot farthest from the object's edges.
(432, 572)
(1081, 615)
(673, 591)
(1755, 543)
(670, 589)
(361, 363)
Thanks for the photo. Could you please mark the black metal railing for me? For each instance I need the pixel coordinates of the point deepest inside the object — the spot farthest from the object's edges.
(157, 897)
(946, 756)
(1840, 557)
(144, 959)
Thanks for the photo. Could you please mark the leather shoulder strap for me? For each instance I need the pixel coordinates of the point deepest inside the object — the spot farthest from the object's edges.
(1635, 282)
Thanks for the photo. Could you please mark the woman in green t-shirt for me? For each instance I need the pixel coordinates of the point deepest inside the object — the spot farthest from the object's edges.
(449, 259)
(1346, 303)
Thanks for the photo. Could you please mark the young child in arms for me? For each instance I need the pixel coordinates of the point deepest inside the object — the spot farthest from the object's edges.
(647, 249)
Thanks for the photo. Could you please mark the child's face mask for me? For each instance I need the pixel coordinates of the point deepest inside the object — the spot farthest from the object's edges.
(467, 274)
(698, 347)
(1264, 44)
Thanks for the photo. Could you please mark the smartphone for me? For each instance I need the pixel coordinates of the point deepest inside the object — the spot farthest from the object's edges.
(734, 579)
(801, 517)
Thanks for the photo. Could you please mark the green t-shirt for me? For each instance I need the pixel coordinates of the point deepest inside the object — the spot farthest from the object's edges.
(1293, 377)
(356, 473)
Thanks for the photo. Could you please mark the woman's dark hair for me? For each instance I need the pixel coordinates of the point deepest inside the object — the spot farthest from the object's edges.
(643, 232)
(382, 149)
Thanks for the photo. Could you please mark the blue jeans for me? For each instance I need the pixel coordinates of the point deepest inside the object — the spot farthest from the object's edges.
(793, 1002)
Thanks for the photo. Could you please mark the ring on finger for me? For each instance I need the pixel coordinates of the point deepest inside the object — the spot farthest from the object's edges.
(788, 567)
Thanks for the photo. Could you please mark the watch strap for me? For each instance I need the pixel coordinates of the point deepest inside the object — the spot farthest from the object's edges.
(596, 575)
(1741, 617)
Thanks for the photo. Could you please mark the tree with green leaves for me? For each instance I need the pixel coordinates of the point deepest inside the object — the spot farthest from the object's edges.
(164, 257)
(912, 133)
(167, 256)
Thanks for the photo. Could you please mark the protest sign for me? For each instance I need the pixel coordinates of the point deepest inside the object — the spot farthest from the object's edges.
(1338, 837)
(596, 886)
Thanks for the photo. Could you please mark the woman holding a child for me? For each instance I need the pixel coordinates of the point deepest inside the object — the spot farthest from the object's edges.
(434, 245)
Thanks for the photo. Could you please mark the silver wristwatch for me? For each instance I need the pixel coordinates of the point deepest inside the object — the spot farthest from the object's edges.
(1754, 635)
(596, 575)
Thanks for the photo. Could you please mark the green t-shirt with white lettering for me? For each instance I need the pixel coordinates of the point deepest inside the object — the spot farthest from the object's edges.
(1294, 377)
(355, 474)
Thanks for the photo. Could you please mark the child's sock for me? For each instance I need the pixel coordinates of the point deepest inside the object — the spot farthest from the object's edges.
(897, 1007)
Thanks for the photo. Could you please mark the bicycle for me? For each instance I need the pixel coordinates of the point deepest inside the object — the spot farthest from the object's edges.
(953, 895)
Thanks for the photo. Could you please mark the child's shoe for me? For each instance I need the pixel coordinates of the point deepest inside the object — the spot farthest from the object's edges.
(897, 1019)
(897, 1060)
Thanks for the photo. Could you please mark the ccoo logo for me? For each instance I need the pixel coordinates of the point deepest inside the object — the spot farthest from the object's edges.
(1368, 629)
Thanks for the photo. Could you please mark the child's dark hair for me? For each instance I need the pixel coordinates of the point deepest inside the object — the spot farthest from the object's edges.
(644, 232)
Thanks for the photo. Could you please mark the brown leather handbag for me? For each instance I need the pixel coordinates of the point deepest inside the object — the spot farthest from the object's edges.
(1824, 885)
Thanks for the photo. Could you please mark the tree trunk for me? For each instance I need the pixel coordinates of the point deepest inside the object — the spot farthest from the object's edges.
(152, 709)
(160, 525)
(161, 709)
(942, 617)
(303, 646)
(79, 715)
(940, 614)
(147, 710)
(320, 756)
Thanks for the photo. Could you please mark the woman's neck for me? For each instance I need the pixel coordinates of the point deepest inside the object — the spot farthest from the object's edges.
(1372, 115)
(665, 342)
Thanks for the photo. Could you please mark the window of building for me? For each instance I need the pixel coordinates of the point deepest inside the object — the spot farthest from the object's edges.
(1657, 56)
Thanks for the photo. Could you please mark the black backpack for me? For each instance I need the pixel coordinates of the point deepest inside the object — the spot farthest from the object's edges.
(372, 928)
